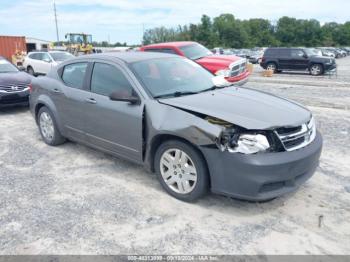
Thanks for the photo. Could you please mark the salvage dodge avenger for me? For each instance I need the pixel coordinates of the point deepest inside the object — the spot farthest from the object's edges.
(171, 115)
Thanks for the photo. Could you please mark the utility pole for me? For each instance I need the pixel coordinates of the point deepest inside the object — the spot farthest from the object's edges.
(143, 33)
(54, 9)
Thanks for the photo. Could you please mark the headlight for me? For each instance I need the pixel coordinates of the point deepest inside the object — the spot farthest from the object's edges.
(250, 144)
(223, 72)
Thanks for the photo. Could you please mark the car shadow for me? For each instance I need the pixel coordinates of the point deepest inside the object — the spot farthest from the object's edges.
(13, 110)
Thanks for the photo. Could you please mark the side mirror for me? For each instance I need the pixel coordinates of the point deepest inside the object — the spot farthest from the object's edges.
(305, 56)
(47, 60)
(119, 96)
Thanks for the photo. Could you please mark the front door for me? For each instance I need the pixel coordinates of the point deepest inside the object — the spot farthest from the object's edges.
(114, 126)
(299, 60)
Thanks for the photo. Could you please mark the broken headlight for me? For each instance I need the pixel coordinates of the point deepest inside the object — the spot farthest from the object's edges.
(235, 139)
(249, 144)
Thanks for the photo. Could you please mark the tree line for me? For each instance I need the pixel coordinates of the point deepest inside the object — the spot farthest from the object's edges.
(228, 32)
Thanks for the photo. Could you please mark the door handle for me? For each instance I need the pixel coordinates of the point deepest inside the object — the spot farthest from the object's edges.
(57, 91)
(90, 101)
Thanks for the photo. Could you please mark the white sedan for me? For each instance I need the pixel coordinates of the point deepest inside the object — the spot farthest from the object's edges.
(41, 62)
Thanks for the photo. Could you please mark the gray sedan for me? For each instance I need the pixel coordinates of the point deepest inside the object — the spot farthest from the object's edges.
(192, 128)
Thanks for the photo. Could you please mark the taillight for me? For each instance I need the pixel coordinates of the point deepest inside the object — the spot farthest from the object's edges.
(30, 88)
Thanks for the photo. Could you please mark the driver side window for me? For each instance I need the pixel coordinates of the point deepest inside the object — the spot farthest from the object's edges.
(107, 79)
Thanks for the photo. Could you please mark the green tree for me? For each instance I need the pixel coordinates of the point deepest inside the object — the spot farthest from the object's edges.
(260, 32)
(230, 32)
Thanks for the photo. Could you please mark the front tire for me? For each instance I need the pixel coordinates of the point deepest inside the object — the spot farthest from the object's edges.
(316, 69)
(48, 128)
(181, 170)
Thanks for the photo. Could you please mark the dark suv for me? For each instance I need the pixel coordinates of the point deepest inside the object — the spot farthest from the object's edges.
(296, 59)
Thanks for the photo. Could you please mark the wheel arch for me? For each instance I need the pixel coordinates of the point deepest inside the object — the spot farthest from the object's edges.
(47, 102)
(272, 62)
(317, 63)
(161, 138)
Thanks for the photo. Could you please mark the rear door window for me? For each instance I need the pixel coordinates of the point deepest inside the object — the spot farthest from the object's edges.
(153, 50)
(168, 51)
(284, 52)
(73, 75)
(162, 50)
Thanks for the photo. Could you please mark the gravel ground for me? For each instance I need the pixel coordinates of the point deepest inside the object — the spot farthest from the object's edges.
(74, 200)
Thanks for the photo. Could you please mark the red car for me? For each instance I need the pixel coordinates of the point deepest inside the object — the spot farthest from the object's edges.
(234, 68)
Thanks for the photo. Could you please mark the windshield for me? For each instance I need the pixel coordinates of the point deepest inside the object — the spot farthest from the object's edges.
(61, 56)
(195, 51)
(171, 76)
(7, 67)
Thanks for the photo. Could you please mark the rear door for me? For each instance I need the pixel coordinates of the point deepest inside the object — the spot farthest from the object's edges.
(71, 98)
(284, 58)
(114, 126)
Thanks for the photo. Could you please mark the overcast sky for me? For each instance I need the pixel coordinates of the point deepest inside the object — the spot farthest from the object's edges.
(124, 20)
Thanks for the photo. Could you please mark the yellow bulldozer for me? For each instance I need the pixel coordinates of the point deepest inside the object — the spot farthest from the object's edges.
(79, 43)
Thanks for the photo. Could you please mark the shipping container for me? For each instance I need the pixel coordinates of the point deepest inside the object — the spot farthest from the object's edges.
(10, 44)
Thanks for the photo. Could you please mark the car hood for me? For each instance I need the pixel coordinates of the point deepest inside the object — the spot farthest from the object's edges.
(244, 107)
(218, 60)
(15, 78)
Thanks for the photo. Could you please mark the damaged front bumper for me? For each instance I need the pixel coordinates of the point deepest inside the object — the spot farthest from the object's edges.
(261, 176)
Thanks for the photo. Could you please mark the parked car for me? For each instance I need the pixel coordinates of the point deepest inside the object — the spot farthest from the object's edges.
(174, 117)
(255, 57)
(346, 50)
(14, 85)
(218, 51)
(230, 66)
(336, 53)
(342, 52)
(296, 59)
(40, 63)
(243, 53)
(315, 51)
(326, 52)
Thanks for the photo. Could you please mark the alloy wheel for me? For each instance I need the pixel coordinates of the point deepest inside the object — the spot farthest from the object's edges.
(315, 70)
(46, 126)
(271, 67)
(178, 171)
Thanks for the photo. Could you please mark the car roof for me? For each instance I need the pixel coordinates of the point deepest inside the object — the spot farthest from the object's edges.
(129, 57)
(175, 44)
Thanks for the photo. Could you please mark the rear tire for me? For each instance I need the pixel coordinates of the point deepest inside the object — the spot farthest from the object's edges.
(181, 170)
(48, 128)
(271, 66)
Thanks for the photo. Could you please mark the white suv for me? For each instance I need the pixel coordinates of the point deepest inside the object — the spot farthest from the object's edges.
(40, 63)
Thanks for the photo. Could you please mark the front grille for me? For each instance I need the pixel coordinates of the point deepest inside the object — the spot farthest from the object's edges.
(10, 88)
(293, 138)
(238, 67)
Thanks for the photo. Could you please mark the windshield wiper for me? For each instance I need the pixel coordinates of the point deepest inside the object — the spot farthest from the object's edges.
(213, 88)
(176, 94)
